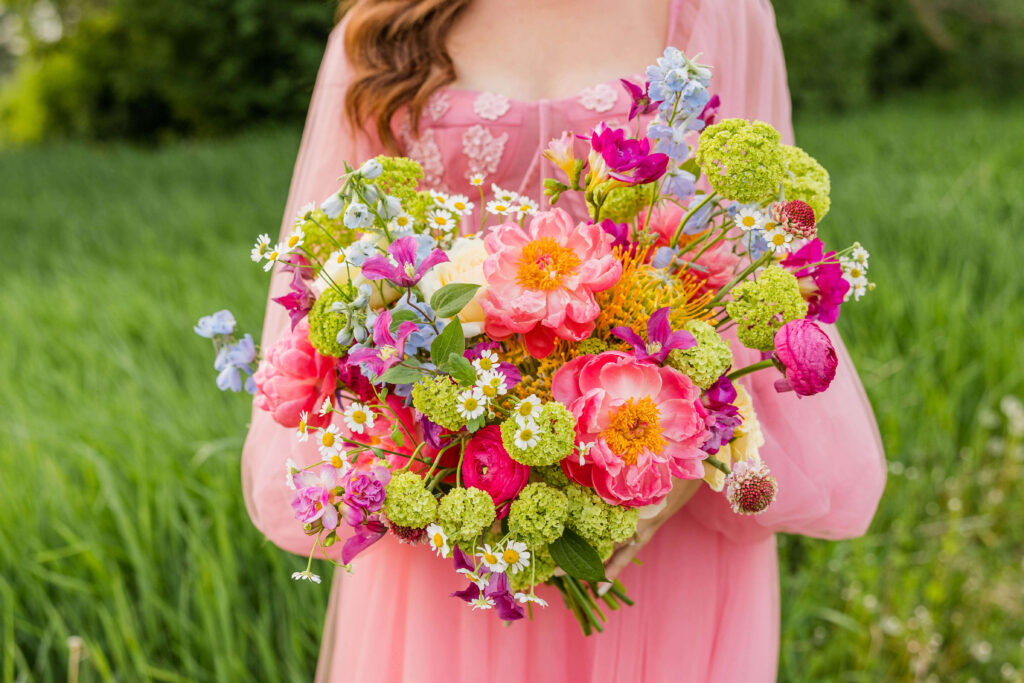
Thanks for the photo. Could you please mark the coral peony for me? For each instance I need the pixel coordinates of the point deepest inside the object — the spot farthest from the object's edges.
(293, 377)
(487, 466)
(645, 424)
(541, 280)
(808, 355)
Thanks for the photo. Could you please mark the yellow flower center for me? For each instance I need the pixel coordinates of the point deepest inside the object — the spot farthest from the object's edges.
(459, 206)
(359, 417)
(855, 272)
(748, 221)
(490, 558)
(438, 540)
(470, 404)
(402, 221)
(778, 239)
(327, 439)
(635, 427)
(510, 556)
(337, 462)
(485, 363)
(544, 263)
(293, 240)
(440, 221)
(500, 208)
(489, 391)
(526, 435)
(525, 408)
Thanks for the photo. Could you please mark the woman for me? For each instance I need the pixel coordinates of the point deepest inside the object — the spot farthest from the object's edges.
(489, 79)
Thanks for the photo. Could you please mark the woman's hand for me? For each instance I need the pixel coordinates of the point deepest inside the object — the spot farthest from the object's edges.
(682, 491)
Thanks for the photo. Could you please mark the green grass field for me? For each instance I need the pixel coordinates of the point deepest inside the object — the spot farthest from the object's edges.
(121, 517)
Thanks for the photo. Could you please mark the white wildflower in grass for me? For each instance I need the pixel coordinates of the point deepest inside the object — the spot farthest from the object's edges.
(306, 576)
(291, 469)
(358, 417)
(488, 360)
(499, 208)
(526, 436)
(358, 216)
(483, 602)
(303, 431)
(491, 384)
(273, 256)
(491, 557)
(295, 239)
(471, 403)
(326, 406)
(749, 218)
(477, 180)
(778, 239)
(459, 204)
(507, 196)
(401, 224)
(437, 540)
(516, 556)
(260, 249)
(330, 444)
(527, 410)
(525, 207)
(524, 598)
(442, 219)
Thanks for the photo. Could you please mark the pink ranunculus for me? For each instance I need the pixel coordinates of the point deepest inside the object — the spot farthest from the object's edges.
(645, 423)
(808, 355)
(541, 280)
(293, 378)
(487, 466)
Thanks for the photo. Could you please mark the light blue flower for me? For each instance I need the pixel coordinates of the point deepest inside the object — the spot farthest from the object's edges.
(333, 206)
(357, 216)
(663, 256)
(358, 252)
(235, 361)
(756, 243)
(680, 183)
(221, 322)
(669, 140)
(698, 222)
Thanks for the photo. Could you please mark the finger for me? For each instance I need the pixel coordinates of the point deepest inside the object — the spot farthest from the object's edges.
(620, 559)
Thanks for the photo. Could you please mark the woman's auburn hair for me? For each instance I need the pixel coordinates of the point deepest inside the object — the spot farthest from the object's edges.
(399, 56)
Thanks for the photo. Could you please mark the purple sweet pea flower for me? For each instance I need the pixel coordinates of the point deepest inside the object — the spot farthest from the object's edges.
(723, 416)
(300, 300)
(628, 160)
(364, 493)
(710, 110)
(461, 559)
(641, 102)
(387, 350)
(619, 231)
(313, 494)
(365, 535)
(401, 268)
(660, 338)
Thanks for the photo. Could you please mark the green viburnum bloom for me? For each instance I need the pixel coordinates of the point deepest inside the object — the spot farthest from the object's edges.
(705, 362)
(538, 515)
(464, 513)
(807, 180)
(551, 438)
(399, 177)
(743, 161)
(761, 307)
(407, 501)
(623, 203)
(595, 520)
(437, 397)
(552, 475)
(540, 569)
(325, 324)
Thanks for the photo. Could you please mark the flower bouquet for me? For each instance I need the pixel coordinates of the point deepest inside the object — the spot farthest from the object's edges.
(517, 393)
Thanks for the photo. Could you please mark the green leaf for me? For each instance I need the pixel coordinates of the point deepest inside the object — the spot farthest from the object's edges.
(401, 374)
(451, 340)
(451, 299)
(577, 557)
(460, 368)
(396, 435)
(399, 317)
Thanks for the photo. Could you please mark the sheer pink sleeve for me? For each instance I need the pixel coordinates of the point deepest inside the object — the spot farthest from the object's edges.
(824, 450)
(327, 142)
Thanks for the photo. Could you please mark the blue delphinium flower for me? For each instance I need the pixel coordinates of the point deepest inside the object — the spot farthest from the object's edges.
(756, 242)
(233, 361)
(698, 222)
(221, 322)
(680, 183)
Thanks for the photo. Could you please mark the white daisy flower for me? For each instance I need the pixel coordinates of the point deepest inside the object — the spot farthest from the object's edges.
(438, 197)
(291, 469)
(857, 291)
(779, 239)
(499, 207)
(488, 360)
(260, 248)
(526, 436)
(859, 254)
(583, 449)
(442, 219)
(330, 444)
(492, 558)
(295, 239)
(527, 410)
(402, 223)
(305, 212)
(471, 403)
(327, 406)
(437, 540)
(476, 180)
(491, 383)
(854, 272)
(358, 417)
(303, 426)
(516, 556)
(483, 602)
(459, 204)
(525, 206)
(306, 576)
(507, 196)
(530, 597)
(273, 256)
(473, 577)
(749, 218)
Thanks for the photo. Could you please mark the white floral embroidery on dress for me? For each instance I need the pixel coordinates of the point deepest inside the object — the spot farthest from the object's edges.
(437, 105)
(483, 149)
(599, 98)
(490, 105)
(424, 150)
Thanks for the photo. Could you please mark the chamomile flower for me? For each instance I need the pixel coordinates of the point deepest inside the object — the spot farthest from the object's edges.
(859, 254)
(260, 248)
(439, 198)
(749, 218)
(524, 206)
(442, 219)
(483, 602)
(295, 239)
(857, 291)
(438, 540)
(305, 576)
(303, 431)
(507, 196)
(459, 204)
(291, 469)
(471, 403)
(854, 272)
(474, 578)
(476, 180)
(491, 558)
(306, 212)
(491, 383)
(516, 556)
(526, 436)
(524, 598)
(358, 417)
(527, 410)
(499, 207)
(779, 239)
(488, 360)
(273, 256)
(326, 406)
(401, 224)
(330, 444)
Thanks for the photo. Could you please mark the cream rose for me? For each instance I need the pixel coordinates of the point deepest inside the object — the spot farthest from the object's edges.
(465, 265)
(746, 443)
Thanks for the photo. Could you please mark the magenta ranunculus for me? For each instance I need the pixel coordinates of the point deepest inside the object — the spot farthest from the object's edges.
(487, 466)
(293, 377)
(646, 425)
(808, 355)
(821, 280)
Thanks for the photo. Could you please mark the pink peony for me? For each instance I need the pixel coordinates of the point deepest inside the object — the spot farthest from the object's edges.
(645, 423)
(716, 266)
(487, 466)
(541, 280)
(808, 355)
(293, 377)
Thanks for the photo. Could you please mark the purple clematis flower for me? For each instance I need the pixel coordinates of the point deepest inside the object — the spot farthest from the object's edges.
(401, 268)
(365, 535)
(723, 416)
(499, 590)
(387, 350)
(661, 338)
(641, 102)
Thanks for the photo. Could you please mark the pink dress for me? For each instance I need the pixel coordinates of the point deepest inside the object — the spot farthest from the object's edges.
(707, 595)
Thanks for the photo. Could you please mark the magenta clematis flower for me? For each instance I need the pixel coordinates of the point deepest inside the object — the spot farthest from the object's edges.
(402, 269)
(365, 535)
(387, 350)
(821, 280)
(661, 338)
(314, 492)
(299, 300)
(641, 102)
(497, 589)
